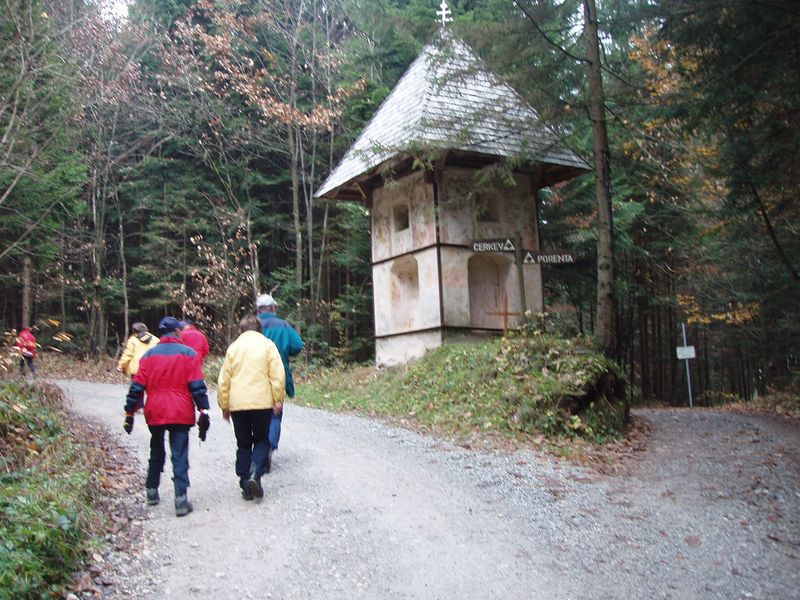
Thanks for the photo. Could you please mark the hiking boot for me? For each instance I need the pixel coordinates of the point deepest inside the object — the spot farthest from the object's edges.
(247, 494)
(253, 486)
(152, 496)
(182, 506)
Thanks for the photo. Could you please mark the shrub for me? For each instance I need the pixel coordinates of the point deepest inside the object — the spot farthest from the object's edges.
(44, 508)
(527, 382)
(561, 386)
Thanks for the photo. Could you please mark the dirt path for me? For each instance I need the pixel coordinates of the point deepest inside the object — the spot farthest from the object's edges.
(357, 509)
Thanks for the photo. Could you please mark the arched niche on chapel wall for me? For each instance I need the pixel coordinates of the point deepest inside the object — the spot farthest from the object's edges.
(405, 293)
(487, 276)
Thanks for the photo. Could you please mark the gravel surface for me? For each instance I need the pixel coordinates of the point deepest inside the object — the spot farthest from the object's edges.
(355, 508)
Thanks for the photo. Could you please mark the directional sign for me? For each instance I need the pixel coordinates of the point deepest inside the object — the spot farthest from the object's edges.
(548, 258)
(531, 257)
(495, 245)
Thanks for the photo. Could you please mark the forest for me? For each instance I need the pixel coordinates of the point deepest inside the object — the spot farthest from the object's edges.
(166, 163)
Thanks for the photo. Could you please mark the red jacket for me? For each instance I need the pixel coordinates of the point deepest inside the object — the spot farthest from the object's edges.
(26, 343)
(170, 374)
(196, 340)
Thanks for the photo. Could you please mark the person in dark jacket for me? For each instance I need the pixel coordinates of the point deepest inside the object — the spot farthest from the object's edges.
(289, 343)
(170, 376)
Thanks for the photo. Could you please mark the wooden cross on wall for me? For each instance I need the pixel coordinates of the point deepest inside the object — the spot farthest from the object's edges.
(504, 313)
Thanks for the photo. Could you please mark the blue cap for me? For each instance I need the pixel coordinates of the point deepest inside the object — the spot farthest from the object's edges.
(182, 324)
(168, 324)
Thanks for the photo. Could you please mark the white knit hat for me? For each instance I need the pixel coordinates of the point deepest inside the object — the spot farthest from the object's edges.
(265, 300)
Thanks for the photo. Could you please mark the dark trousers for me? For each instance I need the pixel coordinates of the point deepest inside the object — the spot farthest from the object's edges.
(29, 360)
(179, 453)
(275, 429)
(251, 428)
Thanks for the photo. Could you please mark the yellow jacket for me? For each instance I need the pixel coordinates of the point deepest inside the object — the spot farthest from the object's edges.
(134, 349)
(252, 375)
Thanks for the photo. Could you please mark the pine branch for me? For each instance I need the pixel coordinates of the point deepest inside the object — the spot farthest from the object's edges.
(544, 35)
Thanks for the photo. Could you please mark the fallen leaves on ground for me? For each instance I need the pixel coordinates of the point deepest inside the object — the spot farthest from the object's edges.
(102, 369)
(117, 501)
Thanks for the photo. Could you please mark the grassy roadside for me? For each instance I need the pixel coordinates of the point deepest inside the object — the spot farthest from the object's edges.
(443, 391)
(46, 513)
(518, 387)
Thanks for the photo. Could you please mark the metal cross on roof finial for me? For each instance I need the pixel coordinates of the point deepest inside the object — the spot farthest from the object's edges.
(444, 14)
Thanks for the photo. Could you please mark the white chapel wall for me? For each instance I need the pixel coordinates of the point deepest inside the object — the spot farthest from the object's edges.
(477, 285)
(401, 349)
(462, 202)
(401, 304)
(402, 217)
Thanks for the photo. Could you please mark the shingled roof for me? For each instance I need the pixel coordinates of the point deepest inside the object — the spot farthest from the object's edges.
(447, 99)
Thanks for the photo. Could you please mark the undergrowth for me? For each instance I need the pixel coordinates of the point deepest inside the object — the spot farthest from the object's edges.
(528, 382)
(45, 512)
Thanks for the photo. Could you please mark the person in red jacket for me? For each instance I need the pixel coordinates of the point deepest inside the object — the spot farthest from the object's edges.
(26, 346)
(195, 339)
(170, 375)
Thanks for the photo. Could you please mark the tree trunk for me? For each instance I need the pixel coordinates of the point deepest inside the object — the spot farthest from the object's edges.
(771, 232)
(125, 300)
(26, 292)
(298, 232)
(329, 95)
(252, 250)
(62, 285)
(604, 328)
(644, 346)
(293, 155)
(94, 264)
(309, 172)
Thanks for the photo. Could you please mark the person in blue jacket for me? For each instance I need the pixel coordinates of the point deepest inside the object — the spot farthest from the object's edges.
(289, 343)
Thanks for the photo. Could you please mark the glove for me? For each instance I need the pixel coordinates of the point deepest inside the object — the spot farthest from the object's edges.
(128, 423)
(203, 424)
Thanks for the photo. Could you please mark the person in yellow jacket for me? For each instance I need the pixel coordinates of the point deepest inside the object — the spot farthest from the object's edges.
(251, 382)
(140, 342)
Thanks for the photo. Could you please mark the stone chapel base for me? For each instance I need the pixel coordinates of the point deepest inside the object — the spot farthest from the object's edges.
(402, 348)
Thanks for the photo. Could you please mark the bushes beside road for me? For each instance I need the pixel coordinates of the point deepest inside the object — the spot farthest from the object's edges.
(530, 382)
(45, 508)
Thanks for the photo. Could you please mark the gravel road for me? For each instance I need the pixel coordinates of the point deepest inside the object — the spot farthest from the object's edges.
(355, 508)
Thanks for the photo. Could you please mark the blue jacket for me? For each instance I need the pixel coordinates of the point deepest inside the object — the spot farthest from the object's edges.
(286, 339)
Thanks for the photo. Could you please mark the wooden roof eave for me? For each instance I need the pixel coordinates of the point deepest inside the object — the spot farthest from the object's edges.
(552, 174)
(359, 189)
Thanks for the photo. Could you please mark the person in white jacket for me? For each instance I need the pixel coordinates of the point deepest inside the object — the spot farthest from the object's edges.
(251, 381)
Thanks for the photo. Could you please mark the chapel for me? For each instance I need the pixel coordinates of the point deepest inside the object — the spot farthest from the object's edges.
(434, 168)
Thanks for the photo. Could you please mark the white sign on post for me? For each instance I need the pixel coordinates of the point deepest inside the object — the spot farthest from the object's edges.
(685, 352)
(494, 245)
